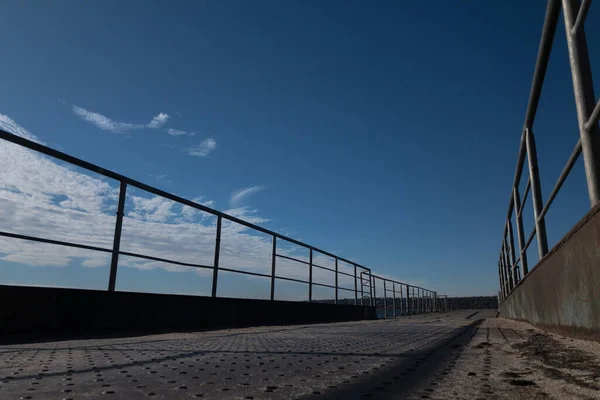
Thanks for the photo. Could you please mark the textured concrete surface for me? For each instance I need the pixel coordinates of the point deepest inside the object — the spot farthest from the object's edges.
(461, 355)
(561, 293)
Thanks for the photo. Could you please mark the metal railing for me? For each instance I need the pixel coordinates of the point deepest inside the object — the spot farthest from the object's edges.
(410, 298)
(367, 280)
(512, 264)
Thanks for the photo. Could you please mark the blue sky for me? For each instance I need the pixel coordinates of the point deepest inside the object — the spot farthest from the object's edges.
(385, 132)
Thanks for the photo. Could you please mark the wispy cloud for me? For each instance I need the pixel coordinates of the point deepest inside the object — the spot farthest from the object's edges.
(239, 195)
(158, 121)
(177, 132)
(162, 178)
(105, 123)
(203, 149)
(7, 124)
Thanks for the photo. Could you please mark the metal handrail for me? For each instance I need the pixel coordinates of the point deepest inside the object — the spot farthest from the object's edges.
(116, 251)
(588, 113)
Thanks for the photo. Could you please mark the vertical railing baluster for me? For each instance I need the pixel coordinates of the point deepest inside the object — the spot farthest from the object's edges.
(503, 272)
(356, 287)
(505, 266)
(310, 275)
(536, 194)
(520, 233)
(500, 276)
(114, 262)
(407, 300)
(511, 278)
(217, 253)
(385, 313)
(371, 290)
(273, 261)
(362, 286)
(511, 243)
(373, 285)
(336, 283)
(394, 299)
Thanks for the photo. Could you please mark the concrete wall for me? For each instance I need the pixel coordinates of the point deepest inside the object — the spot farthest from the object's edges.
(562, 293)
(46, 310)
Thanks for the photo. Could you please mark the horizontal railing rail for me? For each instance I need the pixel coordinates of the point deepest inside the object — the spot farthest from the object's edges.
(513, 264)
(367, 279)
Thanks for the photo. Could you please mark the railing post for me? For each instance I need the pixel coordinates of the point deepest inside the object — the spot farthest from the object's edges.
(336, 284)
(371, 302)
(511, 278)
(374, 292)
(520, 233)
(505, 277)
(310, 274)
(385, 313)
(273, 261)
(428, 301)
(394, 299)
(536, 193)
(407, 299)
(585, 99)
(362, 285)
(114, 262)
(356, 287)
(505, 266)
(417, 302)
(401, 301)
(500, 277)
(511, 243)
(217, 252)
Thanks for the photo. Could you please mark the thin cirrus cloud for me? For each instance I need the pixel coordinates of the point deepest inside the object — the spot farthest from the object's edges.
(108, 124)
(103, 122)
(238, 196)
(177, 132)
(203, 149)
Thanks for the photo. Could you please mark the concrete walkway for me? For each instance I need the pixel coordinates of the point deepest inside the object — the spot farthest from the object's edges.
(462, 355)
